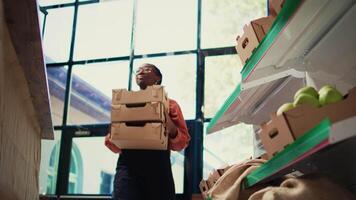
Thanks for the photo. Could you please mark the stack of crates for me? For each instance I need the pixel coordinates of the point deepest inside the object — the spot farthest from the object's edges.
(138, 118)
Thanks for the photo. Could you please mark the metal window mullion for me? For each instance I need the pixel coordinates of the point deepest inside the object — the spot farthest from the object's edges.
(197, 137)
(44, 11)
(132, 44)
(66, 141)
(56, 6)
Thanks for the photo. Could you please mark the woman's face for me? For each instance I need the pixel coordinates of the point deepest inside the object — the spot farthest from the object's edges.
(145, 76)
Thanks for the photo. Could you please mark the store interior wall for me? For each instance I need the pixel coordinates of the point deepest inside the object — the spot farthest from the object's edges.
(19, 130)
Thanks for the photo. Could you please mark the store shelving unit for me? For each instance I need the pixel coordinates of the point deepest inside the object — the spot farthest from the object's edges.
(316, 151)
(311, 42)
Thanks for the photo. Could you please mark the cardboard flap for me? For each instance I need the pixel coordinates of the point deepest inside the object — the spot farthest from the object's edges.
(351, 94)
(299, 111)
(153, 93)
(275, 135)
(117, 94)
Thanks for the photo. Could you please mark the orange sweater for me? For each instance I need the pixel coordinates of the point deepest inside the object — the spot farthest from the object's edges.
(178, 143)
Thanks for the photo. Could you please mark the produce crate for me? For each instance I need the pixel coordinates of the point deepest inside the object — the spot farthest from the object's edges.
(284, 129)
(253, 34)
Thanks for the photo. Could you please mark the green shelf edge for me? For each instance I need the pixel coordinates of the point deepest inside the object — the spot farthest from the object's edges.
(302, 145)
(287, 11)
(224, 108)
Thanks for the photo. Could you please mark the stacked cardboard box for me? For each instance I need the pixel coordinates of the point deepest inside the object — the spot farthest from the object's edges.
(138, 118)
(253, 34)
(283, 129)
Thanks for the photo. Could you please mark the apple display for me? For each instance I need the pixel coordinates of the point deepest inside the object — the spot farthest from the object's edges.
(328, 95)
(306, 99)
(284, 108)
(307, 90)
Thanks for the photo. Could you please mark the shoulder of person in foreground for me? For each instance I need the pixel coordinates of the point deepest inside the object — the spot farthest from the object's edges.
(181, 140)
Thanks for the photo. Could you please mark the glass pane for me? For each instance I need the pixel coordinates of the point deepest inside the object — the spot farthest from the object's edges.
(93, 168)
(223, 20)
(57, 80)
(53, 2)
(229, 146)
(92, 90)
(178, 77)
(58, 34)
(177, 161)
(103, 30)
(222, 74)
(49, 164)
(165, 25)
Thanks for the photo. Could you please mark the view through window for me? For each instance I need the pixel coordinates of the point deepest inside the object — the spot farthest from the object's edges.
(91, 47)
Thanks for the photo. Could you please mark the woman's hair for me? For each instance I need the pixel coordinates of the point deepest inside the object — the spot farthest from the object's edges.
(156, 71)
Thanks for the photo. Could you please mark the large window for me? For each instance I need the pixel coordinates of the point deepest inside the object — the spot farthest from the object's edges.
(49, 164)
(92, 47)
(229, 146)
(89, 161)
(57, 43)
(234, 144)
(91, 91)
(57, 81)
(223, 20)
(162, 26)
(222, 74)
(103, 30)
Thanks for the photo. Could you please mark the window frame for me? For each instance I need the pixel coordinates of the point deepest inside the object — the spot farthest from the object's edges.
(193, 162)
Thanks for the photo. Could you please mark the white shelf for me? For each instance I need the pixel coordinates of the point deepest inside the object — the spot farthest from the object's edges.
(316, 46)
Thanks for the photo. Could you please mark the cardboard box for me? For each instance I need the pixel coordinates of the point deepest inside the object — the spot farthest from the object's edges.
(222, 170)
(254, 32)
(153, 93)
(284, 129)
(275, 6)
(213, 177)
(204, 188)
(139, 136)
(150, 111)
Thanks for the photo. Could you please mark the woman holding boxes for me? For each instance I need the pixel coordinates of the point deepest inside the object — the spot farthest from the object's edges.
(146, 174)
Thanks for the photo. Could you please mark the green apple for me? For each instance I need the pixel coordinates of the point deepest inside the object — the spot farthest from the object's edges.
(284, 108)
(307, 90)
(306, 99)
(328, 95)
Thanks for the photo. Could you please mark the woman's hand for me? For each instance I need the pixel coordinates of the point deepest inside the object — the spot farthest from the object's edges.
(171, 128)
